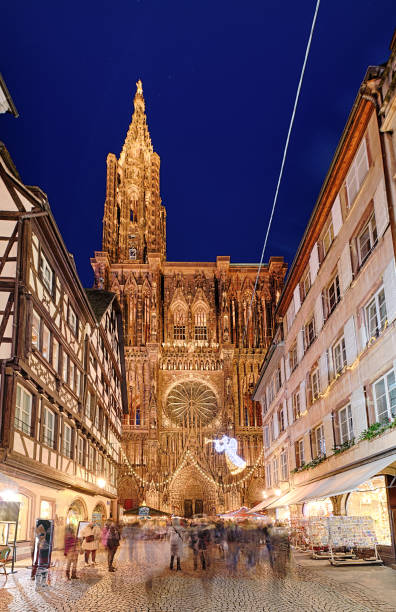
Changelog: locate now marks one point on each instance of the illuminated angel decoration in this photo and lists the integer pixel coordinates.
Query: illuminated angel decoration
(229, 446)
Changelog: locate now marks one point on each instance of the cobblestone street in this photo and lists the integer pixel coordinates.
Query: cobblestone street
(129, 589)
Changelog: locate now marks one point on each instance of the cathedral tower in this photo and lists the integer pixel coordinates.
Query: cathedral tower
(134, 222)
(193, 350)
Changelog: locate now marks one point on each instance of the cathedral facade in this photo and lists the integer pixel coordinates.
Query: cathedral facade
(194, 343)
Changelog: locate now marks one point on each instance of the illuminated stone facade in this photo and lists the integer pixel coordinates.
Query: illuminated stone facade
(191, 366)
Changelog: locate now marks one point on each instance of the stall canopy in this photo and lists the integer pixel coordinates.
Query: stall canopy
(264, 504)
(345, 482)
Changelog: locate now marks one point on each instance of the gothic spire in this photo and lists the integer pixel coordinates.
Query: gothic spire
(138, 132)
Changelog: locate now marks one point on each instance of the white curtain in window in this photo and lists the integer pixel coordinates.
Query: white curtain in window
(336, 216)
(359, 415)
(350, 340)
(389, 279)
(381, 209)
(345, 268)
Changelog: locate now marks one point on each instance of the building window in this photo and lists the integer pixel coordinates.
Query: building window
(81, 456)
(305, 284)
(357, 172)
(266, 437)
(48, 436)
(339, 355)
(89, 406)
(67, 440)
(72, 320)
(271, 391)
(284, 466)
(296, 405)
(78, 382)
(333, 294)
(72, 374)
(55, 355)
(385, 397)
(45, 342)
(293, 360)
(179, 332)
(23, 410)
(90, 457)
(278, 379)
(376, 314)
(309, 333)
(46, 273)
(367, 240)
(268, 476)
(97, 417)
(282, 424)
(346, 424)
(327, 239)
(200, 329)
(275, 472)
(319, 443)
(36, 322)
(315, 384)
(300, 453)
(65, 366)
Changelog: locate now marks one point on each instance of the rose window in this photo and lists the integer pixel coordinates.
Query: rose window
(191, 403)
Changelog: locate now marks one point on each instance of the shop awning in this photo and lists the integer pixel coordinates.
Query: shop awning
(345, 482)
(264, 504)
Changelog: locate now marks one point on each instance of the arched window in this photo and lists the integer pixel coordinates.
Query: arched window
(179, 324)
(200, 329)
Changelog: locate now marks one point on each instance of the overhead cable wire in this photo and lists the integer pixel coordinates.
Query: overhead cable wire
(282, 164)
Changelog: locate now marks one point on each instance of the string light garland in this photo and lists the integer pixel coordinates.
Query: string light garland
(189, 456)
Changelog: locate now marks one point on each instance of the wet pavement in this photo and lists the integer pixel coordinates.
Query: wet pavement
(146, 584)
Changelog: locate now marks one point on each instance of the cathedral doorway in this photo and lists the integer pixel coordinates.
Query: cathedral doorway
(190, 494)
(188, 508)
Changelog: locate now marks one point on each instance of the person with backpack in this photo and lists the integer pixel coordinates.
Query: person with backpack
(112, 543)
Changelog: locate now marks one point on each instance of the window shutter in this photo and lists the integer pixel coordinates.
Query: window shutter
(336, 215)
(350, 340)
(328, 433)
(318, 314)
(297, 299)
(303, 399)
(381, 209)
(323, 371)
(300, 345)
(358, 407)
(345, 268)
(314, 262)
(389, 279)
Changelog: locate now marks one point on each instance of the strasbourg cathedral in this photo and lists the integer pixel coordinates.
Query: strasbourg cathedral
(192, 353)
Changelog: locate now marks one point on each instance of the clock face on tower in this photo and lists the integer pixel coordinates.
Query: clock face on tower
(191, 403)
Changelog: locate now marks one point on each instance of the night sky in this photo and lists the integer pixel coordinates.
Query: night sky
(219, 80)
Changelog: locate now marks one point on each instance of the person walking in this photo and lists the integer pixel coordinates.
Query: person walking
(91, 536)
(71, 552)
(112, 543)
(176, 543)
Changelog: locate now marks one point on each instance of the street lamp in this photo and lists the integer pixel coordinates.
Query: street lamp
(101, 483)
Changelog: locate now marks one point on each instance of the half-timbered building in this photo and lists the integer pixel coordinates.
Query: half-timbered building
(62, 370)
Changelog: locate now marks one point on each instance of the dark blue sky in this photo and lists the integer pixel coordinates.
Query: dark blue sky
(219, 79)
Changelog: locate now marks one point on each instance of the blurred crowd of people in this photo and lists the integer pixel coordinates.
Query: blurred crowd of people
(203, 544)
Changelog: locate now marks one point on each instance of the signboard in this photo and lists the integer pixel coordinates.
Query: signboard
(144, 512)
(81, 527)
